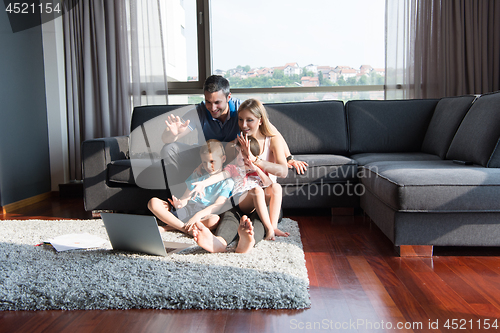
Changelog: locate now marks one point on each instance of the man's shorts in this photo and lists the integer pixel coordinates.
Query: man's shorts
(236, 198)
(186, 212)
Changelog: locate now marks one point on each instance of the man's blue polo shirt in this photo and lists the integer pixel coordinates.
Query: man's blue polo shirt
(214, 128)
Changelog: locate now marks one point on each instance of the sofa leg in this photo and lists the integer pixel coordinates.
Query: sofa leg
(96, 214)
(414, 250)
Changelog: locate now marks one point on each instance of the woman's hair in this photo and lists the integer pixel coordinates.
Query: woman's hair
(259, 111)
(254, 145)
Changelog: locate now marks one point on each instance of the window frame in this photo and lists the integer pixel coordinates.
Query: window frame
(205, 67)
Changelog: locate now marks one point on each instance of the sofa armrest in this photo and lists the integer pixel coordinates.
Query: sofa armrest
(98, 153)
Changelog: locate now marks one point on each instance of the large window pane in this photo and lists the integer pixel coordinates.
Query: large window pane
(297, 97)
(312, 97)
(166, 33)
(298, 43)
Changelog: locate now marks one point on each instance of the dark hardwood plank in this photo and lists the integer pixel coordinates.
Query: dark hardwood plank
(377, 293)
(413, 284)
(482, 280)
(402, 297)
(55, 208)
(354, 274)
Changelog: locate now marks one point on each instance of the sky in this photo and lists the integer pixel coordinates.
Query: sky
(267, 33)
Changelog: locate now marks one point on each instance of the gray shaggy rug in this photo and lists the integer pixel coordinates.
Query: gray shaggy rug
(272, 276)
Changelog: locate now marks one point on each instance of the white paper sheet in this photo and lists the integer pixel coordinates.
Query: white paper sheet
(76, 242)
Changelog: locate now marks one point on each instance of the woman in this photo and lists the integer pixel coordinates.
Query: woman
(253, 121)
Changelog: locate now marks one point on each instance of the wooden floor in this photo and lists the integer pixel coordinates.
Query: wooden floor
(357, 284)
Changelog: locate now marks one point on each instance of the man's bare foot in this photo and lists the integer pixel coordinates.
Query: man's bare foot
(280, 233)
(208, 241)
(247, 239)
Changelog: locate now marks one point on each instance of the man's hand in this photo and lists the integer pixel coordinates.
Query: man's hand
(300, 166)
(175, 125)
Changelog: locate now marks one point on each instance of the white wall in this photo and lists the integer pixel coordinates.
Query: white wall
(53, 54)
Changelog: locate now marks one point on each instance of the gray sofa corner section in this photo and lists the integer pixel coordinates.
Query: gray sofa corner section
(479, 132)
(388, 126)
(433, 186)
(435, 229)
(445, 121)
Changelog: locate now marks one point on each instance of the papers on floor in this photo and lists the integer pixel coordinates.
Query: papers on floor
(76, 242)
(175, 247)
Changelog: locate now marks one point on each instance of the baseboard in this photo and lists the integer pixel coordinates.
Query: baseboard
(342, 211)
(26, 202)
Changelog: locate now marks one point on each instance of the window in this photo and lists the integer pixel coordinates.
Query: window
(300, 50)
(299, 44)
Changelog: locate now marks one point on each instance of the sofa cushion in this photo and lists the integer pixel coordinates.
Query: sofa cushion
(142, 114)
(311, 127)
(120, 172)
(433, 186)
(388, 126)
(149, 175)
(479, 132)
(494, 161)
(367, 158)
(322, 169)
(445, 121)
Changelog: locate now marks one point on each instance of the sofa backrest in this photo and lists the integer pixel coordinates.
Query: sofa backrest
(142, 114)
(311, 127)
(478, 136)
(148, 124)
(388, 126)
(449, 113)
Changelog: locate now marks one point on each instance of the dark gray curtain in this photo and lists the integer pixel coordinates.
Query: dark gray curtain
(97, 74)
(438, 48)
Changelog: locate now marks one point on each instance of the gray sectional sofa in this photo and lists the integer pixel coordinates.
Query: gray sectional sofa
(427, 172)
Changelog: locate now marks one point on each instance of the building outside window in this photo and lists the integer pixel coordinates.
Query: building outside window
(277, 51)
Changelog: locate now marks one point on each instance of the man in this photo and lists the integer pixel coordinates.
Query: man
(218, 119)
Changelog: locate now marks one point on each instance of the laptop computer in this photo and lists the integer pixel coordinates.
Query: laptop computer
(138, 233)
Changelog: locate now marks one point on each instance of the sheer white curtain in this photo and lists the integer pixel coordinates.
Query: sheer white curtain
(438, 48)
(148, 56)
(400, 41)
